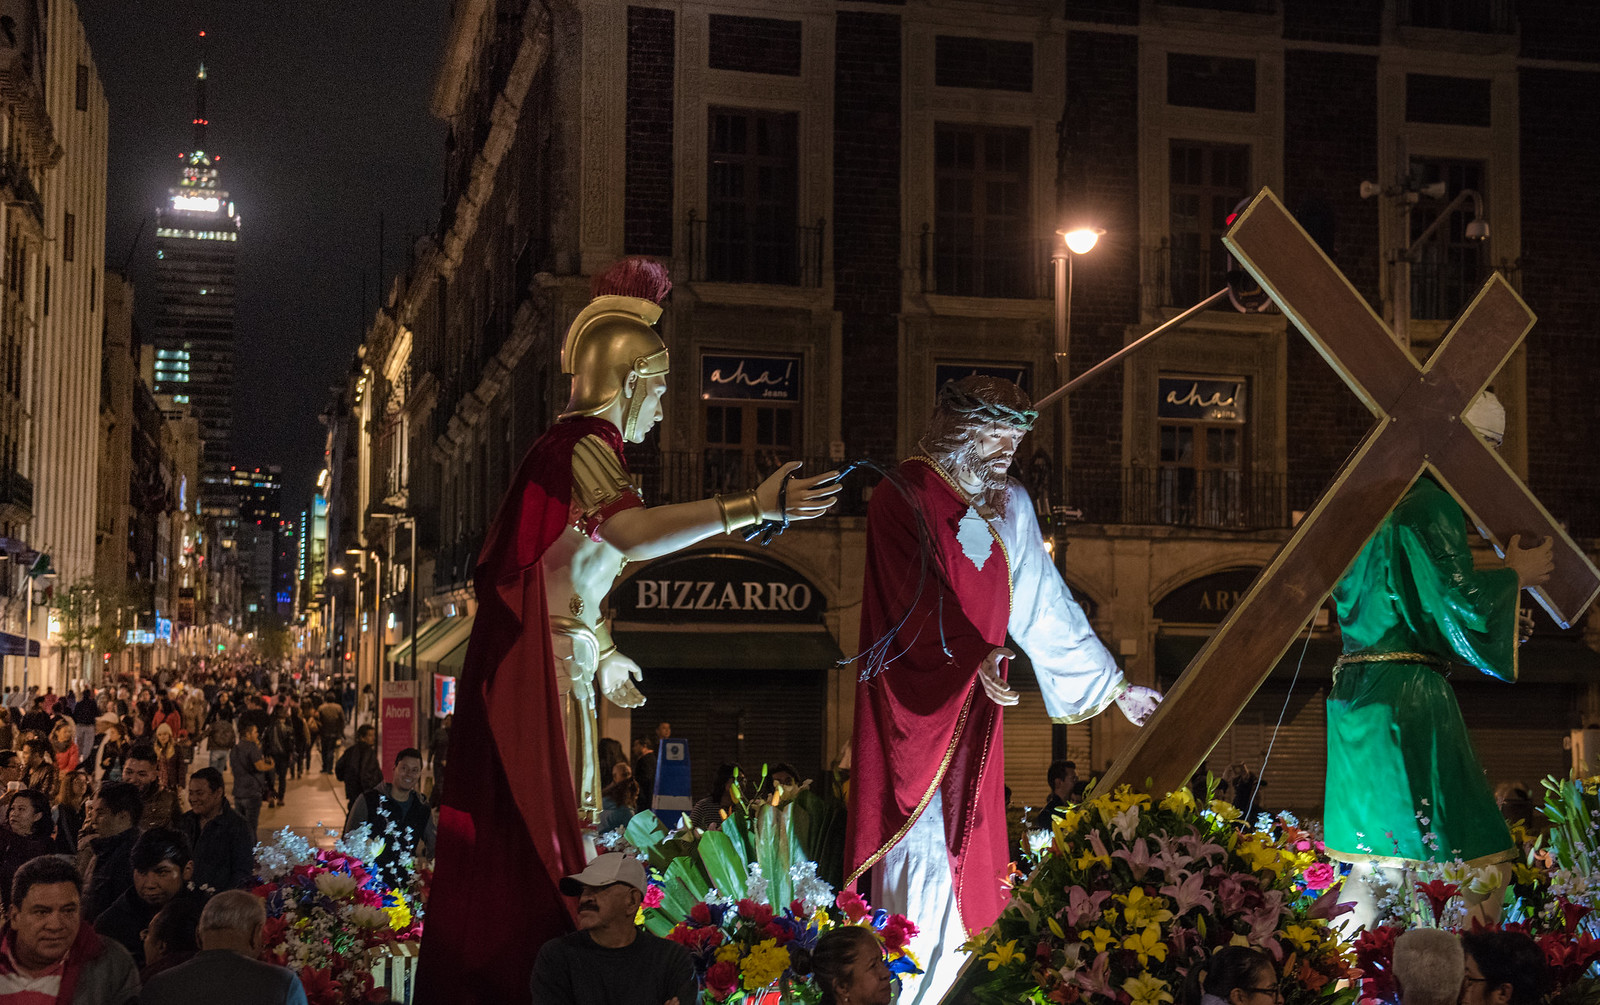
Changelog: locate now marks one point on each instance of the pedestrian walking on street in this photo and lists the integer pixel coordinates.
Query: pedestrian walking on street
(72, 800)
(358, 768)
(250, 767)
(84, 713)
(223, 843)
(330, 729)
(221, 738)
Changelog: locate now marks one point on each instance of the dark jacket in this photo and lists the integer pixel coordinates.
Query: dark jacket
(15, 850)
(224, 850)
(110, 872)
(217, 975)
(160, 809)
(125, 921)
(405, 825)
(358, 769)
(85, 711)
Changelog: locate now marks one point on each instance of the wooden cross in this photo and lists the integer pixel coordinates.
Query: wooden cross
(1419, 428)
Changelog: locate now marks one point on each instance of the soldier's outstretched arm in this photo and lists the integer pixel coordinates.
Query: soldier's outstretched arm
(643, 533)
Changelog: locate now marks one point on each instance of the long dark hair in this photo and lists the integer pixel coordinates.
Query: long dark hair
(1508, 958)
(836, 952)
(1229, 967)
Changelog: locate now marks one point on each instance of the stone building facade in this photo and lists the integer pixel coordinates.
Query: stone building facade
(860, 200)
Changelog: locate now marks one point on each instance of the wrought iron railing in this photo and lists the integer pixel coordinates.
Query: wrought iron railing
(1181, 277)
(724, 249)
(959, 264)
(1181, 497)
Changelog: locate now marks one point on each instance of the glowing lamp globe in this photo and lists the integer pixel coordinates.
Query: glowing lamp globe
(1082, 240)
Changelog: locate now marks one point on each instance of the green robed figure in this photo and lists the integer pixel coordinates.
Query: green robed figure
(1404, 785)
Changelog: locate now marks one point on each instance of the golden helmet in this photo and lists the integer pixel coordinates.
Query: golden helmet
(610, 341)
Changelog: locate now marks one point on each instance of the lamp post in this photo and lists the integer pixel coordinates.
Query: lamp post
(410, 522)
(377, 610)
(1079, 241)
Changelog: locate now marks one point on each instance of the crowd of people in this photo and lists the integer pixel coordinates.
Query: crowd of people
(124, 855)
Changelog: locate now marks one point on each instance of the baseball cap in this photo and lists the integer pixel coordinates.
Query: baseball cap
(612, 867)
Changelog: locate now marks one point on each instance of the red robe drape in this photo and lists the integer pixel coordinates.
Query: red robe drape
(508, 827)
(923, 722)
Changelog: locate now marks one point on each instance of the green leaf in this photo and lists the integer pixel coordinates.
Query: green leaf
(725, 866)
(683, 886)
(657, 922)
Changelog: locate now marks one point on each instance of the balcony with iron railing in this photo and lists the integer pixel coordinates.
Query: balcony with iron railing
(957, 264)
(722, 249)
(1482, 16)
(1186, 497)
(1181, 277)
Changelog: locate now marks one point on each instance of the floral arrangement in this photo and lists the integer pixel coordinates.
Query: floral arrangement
(1130, 895)
(329, 916)
(742, 898)
(1552, 898)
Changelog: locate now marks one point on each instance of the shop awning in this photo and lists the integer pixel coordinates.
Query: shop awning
(1546, 660)
(803, 649)
(441, 645)
(450, 665)
(401, 652)
(15, 645)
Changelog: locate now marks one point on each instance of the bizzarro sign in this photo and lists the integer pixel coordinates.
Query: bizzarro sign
(720, 587)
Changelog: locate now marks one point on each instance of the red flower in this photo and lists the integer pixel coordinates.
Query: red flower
(721, 978)
(320, 986)
(1571, 913)
(700, 914)
(265, 890)
(797, 908)
(1438, 893)
(852, 905)
(653, 896)
(752, 911)
(896, 932)
(1374, 955)
(1319, 876)
(780, 933)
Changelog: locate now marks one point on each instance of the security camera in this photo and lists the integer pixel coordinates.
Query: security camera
(1478, 230)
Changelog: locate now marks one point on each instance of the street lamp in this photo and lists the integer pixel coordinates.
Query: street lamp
(1078, 241)
(377, 607)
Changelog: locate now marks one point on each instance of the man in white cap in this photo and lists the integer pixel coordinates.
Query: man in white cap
(609, 960)
(1404, 788)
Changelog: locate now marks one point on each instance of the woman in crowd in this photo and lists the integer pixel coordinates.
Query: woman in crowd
(1503, 968)
(25, 835)
(1235, 975)
(72, 798)
(611, 754)
(167, 713)
(40, 765)
(617, 803)
(168, 764)
(64, 745)
(113, 751)
(138, 730)
(708, 813)
(847, 966)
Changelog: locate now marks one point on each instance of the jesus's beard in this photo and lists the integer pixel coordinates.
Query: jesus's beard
(991, 472)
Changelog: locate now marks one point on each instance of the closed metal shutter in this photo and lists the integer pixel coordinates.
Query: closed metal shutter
(1518, 728)
(1293, 778)
(1027, 730)
(749, 718)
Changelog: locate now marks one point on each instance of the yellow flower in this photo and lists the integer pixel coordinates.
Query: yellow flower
(1100, 938)
(1147, 944)
(1179, 801)
(1146, 989)
(1055, 928)
(1526, 874)
(399, 917)
(1240, 940)
(1303, 936)
(1003, 955)
(728, 953)
(1140, 909)
(1089, 858)
(1225, 810)
(1260, 856)
(1067, 821)
(765, 964)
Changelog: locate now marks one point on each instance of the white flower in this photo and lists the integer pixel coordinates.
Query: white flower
(809, 888)
(755, 884)
(366, 916)
(337, 885)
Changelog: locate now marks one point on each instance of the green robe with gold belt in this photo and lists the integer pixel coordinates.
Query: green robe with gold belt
(1404, 784)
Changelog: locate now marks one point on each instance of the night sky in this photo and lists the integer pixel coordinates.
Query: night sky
(319, 111)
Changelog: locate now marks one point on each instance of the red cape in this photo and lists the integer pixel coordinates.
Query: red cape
(923, 722)
(508, 827)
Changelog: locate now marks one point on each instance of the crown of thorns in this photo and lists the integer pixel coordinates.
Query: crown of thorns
(957, 400)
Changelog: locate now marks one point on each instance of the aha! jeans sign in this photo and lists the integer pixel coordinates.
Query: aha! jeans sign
(744, 378)
(718, 587)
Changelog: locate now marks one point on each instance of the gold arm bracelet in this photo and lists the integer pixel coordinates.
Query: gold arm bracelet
(607, 651)
(739, 511)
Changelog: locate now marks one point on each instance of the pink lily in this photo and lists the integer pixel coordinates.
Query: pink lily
(1137, 855)
(1199, 847)
(1169, 859)
(1083, 906)
(1097, 981)
(1327, 905)
(1189, 893)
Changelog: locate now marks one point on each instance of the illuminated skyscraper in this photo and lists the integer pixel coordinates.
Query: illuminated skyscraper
(197, 235)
